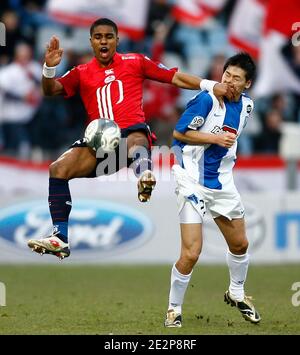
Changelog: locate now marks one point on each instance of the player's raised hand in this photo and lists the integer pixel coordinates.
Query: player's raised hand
(226, 140)
(53, 52)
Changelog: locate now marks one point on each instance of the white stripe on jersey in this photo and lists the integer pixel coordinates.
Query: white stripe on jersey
(110, 115)
(104, 105)
(99, 102)
(104, 100)
(121, 93)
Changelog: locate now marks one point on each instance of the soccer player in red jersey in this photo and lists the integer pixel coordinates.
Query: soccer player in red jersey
(110, 86)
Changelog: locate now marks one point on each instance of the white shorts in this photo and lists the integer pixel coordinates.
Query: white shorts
(194, 199)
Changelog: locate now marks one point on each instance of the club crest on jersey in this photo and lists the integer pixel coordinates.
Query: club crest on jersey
(109, 72)
(109, 79)
(196, 122)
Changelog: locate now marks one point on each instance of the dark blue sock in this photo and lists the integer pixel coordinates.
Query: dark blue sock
(141, 161)
(60, 205)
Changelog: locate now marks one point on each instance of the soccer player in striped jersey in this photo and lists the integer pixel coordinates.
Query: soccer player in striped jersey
(206, 142)
(110, 86)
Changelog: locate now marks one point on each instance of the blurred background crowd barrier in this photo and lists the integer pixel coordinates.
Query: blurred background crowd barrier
(194, 35)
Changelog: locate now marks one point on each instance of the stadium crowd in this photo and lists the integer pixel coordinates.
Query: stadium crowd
(38, 128)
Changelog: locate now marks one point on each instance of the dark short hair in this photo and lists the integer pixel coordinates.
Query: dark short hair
(244, 61)
(103, 22)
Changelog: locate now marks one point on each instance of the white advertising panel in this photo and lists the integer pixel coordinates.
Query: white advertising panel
(109, 225)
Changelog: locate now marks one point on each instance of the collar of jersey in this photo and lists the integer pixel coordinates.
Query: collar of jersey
(116, 60)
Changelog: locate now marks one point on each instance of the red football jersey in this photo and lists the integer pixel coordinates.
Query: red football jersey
(116, 91)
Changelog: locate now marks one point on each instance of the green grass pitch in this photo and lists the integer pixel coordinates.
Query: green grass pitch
(66, 299)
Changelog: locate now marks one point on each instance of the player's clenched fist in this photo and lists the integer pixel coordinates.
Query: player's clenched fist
(226, 140)
(221, 90)
(53, 52)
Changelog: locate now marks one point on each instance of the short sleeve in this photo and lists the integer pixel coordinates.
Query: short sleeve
(195, 113)
(70, 82)
(157, 71)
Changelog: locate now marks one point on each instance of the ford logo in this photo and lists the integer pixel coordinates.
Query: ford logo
(93, 226)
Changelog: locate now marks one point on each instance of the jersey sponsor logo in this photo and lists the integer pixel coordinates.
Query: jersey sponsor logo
(109, 79)
(218, 129)
(229, 129)
(128, 57)
(196, 122)
(104, 100)
(96, 227)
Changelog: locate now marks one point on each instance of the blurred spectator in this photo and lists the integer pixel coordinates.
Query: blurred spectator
(33, 16)
(68, 117)
(159, 12)
(284, 104)
(271, 134)
(215, 72)
(160, 100)
(296, 59)
(13, 36)
(295, 64)
(199, 50)
(20, 97)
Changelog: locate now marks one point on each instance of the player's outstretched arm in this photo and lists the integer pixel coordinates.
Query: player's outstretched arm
(53, 55)
(187, 81)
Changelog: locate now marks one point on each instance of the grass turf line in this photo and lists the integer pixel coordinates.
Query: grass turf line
(66, 299)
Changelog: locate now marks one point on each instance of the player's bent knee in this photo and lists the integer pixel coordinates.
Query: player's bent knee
(137, 140)
(240, 248)
(58, 170)
(190, 257)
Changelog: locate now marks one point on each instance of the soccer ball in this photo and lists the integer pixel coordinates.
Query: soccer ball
(103, 133)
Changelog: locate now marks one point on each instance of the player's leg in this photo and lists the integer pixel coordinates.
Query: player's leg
(139, 153)
(191, 245)
(237, 256)
(76, 162)
(234, 232)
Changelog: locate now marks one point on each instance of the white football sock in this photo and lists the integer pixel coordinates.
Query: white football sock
(179, 284)
(238, 267)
